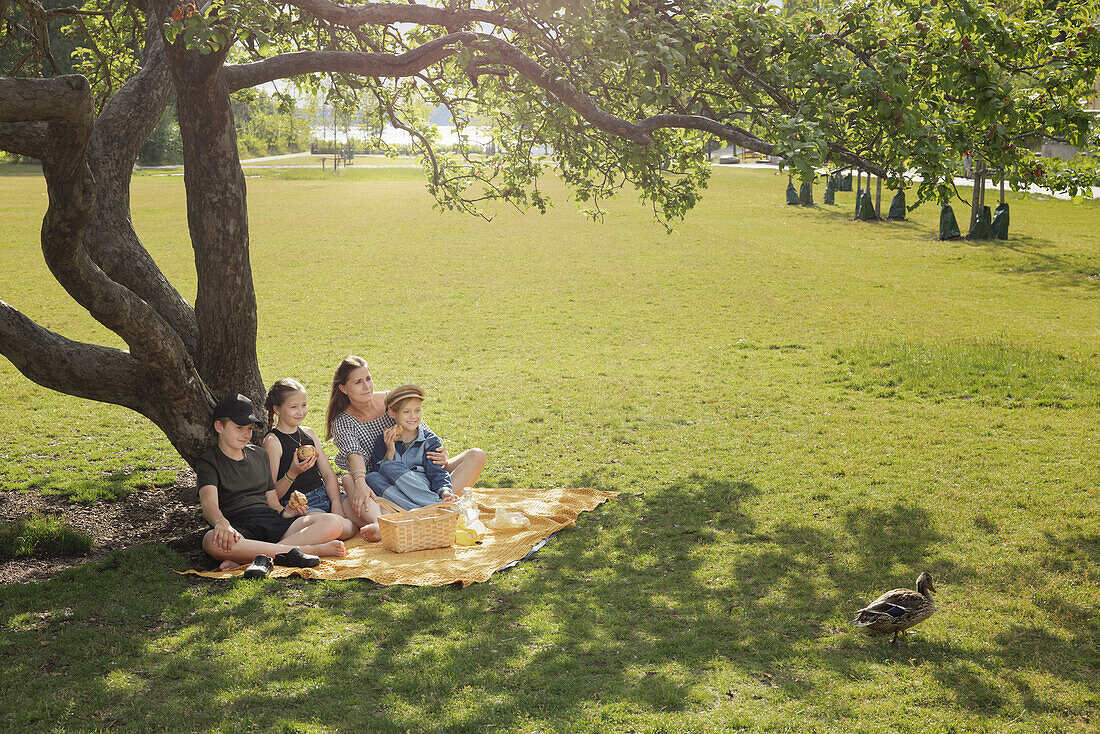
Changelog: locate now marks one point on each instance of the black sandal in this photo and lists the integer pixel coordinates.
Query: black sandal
(260, 568)
(295, 558)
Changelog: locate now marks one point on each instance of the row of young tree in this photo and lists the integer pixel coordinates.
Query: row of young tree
(623, 93)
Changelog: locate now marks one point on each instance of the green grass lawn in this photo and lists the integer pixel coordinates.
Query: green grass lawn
(799, 410)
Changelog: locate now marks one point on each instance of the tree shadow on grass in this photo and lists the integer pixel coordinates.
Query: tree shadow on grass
(1040, 256)
(617, 619)
(846, 213)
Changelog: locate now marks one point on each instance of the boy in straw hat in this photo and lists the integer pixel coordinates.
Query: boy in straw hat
(405, 476)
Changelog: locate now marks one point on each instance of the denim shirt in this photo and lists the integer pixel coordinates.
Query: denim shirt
(414, 455)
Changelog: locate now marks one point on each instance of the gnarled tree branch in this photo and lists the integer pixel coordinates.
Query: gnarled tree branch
(745, 139)
(60, 99)
(72, 194)
(74, 368)
(158, 373)
(362, 63)
(23, 138)
(120, 130)
(504, 53)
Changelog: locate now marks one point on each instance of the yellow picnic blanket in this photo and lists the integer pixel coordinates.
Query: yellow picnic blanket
(550, 510)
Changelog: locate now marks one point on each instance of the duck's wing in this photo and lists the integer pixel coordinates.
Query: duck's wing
(894, 610)
(906, 599)
(886, 608)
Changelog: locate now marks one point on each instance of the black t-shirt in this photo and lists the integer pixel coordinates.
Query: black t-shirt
(241, 484)
(308, 480)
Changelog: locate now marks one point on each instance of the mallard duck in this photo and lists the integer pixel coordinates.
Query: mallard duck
(898, 610)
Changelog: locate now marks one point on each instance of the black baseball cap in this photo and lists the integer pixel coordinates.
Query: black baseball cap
(238, 409)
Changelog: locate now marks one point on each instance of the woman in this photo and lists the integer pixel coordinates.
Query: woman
(355, 418)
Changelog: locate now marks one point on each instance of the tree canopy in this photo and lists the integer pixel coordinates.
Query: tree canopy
(623, 93)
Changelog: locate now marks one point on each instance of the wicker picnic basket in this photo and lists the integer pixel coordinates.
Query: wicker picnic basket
(421, 529)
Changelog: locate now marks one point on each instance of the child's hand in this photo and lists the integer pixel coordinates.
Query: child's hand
(225, 535)
(297, 466)
(449, 497)
(390, 435)
(296, 504)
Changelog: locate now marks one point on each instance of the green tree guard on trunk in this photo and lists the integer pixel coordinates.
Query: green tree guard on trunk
(829, 197)
(792, 195)
(866, 211)
(806, 193)
(980, 230)
(949, 228)
(897, 206)
(998, 228)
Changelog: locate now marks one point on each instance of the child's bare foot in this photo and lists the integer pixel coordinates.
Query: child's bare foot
(371, 532)
(333, 548)
(228, 565)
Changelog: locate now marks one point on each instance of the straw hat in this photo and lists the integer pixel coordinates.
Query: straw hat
(402, 393)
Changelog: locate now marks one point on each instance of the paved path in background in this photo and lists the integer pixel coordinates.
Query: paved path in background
(243, 162)
(265, 159)
(250, 162)
(314, 156)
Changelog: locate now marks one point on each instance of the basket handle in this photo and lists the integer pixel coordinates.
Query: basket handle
(397, 509)
(391, 506)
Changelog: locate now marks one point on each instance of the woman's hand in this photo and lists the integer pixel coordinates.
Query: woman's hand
(225, 536)
(360, 500)
(439, 457)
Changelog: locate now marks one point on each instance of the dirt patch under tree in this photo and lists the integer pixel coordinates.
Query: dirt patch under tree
(167, 515)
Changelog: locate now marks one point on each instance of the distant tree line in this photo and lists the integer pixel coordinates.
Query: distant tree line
(262, 129)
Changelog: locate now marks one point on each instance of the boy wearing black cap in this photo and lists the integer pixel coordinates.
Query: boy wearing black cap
(233, 477)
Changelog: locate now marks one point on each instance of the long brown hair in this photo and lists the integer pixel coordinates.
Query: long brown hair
(277, 395)
(337, 400)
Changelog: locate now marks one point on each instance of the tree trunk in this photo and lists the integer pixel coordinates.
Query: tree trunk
(977, 201)
(217, 218)
(878, 197)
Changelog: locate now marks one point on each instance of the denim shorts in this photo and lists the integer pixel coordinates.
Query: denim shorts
(318, 500)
